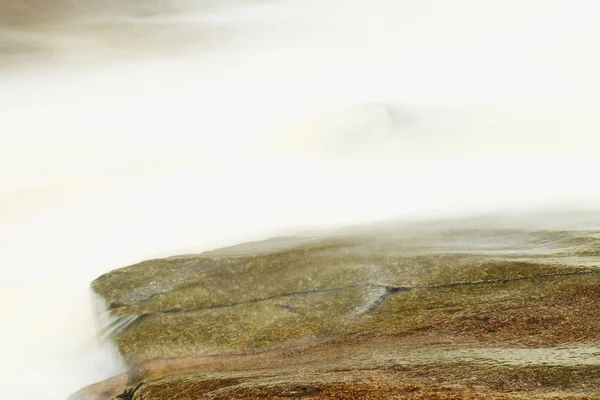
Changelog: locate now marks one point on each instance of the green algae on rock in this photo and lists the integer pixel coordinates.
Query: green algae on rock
(447, 313)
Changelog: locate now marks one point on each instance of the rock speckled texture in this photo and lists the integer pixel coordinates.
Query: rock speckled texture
(419, 314)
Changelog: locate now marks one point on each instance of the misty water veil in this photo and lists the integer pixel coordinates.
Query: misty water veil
(140, 129)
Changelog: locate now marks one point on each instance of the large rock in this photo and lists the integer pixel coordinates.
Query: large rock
(416, 314)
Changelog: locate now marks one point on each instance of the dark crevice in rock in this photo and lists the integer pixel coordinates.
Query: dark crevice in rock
(173, 310)
(129, 393)
(506, 280)
(261, 299)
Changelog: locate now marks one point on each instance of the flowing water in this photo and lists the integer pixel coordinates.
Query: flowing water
(137, 129)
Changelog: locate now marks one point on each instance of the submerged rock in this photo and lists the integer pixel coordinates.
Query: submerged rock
(413, 314)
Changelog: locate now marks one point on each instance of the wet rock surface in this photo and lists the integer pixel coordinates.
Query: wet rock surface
(412, 314)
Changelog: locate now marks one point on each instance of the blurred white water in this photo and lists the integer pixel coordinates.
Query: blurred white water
(133, 135)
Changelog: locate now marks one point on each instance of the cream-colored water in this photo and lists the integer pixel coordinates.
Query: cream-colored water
(130, 132)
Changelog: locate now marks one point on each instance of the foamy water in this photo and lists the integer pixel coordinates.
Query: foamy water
(127, 134)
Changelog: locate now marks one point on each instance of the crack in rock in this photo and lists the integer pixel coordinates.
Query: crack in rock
(381, 293)
(505, 280)
(129, 393)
